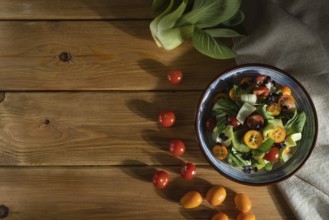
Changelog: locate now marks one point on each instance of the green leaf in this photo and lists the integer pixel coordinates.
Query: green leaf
(268, 166)
(238, 144)
(157, 5)
(266, 145)
(222, 32)
(169, 20)
(208, 46)
(225, 106)
(208, 13)
(296, 123)
(235, 20)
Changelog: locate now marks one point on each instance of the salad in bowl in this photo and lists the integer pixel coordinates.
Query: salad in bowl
(256, 124)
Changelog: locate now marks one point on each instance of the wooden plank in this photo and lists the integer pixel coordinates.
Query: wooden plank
(94, 128)
(105, 56)
(75, 9)
(122, 193)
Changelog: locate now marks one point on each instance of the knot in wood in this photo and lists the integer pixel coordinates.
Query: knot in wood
(65, 57)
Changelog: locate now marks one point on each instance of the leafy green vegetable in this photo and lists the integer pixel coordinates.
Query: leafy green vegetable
(198, 20)
(222, 32)
(225, 106)
(207, 45)
(235, 20)
(296, 123)
(268, 166)
(238, 144)
(266, 145)
(235, 159)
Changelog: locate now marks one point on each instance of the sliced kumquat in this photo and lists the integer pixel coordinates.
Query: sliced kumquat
(286, 150)
(288, 101)
(232, 95)
(274, 109)
(253, 139)
(220, 152)
(285, 90)
(278, 134)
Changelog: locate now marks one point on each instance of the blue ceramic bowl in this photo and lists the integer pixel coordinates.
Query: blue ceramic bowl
(303, 102)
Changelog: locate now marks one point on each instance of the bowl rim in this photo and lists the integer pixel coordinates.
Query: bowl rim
(197, 132)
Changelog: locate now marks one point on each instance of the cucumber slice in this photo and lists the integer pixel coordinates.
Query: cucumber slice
(249, 98)
(245, 111)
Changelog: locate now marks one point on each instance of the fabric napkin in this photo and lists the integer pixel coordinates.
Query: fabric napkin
(294, 36)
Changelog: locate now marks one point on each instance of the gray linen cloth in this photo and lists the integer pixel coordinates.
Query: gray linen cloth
(294, 36)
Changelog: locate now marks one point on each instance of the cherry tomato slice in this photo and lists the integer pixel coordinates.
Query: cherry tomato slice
(175, 76)
(288, 101)
(188, 170)
(274, 108)
(260, 79)
(233, 121)
(160, 179)
(253, 139)
(272, 155)
(167, 118)
(220, 152)
(255, 121)
(261, 91)
(177, 147)
(278, 134)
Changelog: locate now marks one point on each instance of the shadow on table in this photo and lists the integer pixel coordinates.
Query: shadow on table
(144, 174)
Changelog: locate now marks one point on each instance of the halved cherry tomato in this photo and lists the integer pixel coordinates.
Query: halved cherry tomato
(167, 118)
(177, 147)
(253, 139)
(160, 179)
(274, 108)
(233, 121)
(220, 152)
(188, 170)
(175, 76)
(288, 101)
(272, 155)
(261, 91)
(285, 90)
(255, 121)
(260, 79)
(278, 134)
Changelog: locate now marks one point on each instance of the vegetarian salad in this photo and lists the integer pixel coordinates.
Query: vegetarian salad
(255, 124)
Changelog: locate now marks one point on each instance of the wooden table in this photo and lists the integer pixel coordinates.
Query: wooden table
(83, 84)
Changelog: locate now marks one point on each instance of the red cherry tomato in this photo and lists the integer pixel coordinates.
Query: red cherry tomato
(260, 79)
(160, 179)
(167, 118)
(255, 121)
(211, 123)
(188, 170)
(272, 155)
(233, 121)
(175, 76)
(177, 147)
(261, 91)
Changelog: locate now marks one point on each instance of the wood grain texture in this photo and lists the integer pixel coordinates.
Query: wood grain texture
(75, 9)
(122, 193)
(94, 128)
(105, 55)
